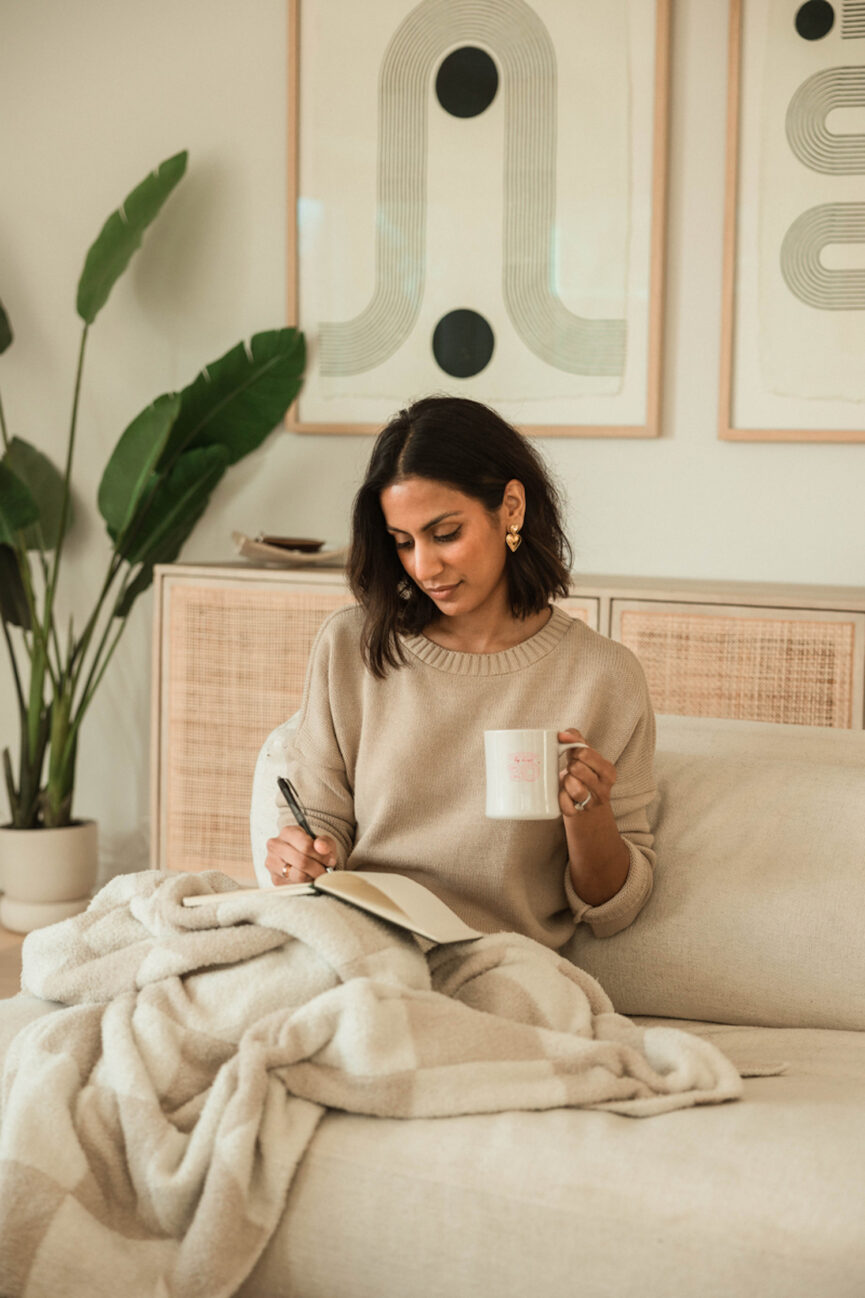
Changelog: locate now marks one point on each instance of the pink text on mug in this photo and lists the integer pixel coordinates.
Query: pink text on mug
(522, 772)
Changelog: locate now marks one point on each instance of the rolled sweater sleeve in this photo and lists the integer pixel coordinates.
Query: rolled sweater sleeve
(633, 794)
(315, 761)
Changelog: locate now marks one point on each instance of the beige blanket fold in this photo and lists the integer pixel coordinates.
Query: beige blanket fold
(152, 1129)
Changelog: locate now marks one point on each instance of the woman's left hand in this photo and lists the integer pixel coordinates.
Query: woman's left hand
(598, 856)
(587, 775)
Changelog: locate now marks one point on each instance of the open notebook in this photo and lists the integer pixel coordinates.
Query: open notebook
(393, 897)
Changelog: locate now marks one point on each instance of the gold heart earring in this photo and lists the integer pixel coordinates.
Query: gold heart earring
(513, 539)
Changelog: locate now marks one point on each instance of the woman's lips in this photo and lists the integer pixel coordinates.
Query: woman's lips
(439, 592)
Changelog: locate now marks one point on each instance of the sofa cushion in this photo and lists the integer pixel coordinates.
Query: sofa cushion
(760, 1197)
(756, 914)
(265, 802)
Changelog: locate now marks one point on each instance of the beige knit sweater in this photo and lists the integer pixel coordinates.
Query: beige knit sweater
(393, 770)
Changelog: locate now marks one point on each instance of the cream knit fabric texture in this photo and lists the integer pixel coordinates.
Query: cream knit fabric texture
(393, 769)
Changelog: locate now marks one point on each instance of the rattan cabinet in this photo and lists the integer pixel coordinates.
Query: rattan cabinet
(231, 644)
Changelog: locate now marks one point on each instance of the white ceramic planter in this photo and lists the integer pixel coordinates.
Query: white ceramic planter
(46, 874)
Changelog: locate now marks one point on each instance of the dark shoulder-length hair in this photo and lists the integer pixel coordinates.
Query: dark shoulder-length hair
(468, 446)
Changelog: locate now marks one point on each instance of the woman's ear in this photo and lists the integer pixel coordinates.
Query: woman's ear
(514, 503)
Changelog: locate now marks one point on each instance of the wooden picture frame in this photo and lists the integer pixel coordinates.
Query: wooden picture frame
(421, 260)
(793, 323)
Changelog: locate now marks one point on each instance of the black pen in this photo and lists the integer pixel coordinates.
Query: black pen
(295, 806)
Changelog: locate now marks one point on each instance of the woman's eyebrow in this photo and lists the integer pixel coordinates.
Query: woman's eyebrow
(426, 527)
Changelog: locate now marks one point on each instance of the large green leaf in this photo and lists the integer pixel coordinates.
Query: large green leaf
(182, 501)
(18, 509)
(5, 330)
(14, 608)
(240, 398)
(138, 586)
(129, 472)
(177, 506)
(121, 236)
(45, 483)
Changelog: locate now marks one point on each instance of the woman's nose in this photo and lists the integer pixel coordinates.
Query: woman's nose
(427, 563)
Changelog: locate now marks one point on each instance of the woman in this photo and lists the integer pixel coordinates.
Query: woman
(457, 549)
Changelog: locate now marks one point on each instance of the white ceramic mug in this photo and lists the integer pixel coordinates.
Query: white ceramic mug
(523, 773)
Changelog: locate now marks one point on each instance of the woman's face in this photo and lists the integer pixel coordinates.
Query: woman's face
(448, 544)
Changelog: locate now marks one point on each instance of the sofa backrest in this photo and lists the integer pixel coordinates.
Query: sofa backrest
(759, 899)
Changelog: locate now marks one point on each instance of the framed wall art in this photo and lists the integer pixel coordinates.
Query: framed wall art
(476, 197)
(793, 334)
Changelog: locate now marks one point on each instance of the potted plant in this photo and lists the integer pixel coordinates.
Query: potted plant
(154, 489)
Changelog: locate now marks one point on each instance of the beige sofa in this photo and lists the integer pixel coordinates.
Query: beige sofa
(752, 937)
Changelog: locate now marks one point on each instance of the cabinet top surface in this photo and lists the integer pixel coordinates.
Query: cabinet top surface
(596, 585)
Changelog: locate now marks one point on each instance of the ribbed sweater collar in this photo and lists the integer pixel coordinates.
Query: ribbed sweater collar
(496, 664)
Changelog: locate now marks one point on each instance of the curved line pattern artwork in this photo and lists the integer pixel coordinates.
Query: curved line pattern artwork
(833, 153)
(803, 271)
(517, 37)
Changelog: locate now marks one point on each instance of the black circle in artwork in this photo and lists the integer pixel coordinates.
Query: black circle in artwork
(814, 19)
(462, 343)
(466, 82)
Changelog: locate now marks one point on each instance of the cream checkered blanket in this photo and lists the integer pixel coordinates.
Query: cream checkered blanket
(151, 1129)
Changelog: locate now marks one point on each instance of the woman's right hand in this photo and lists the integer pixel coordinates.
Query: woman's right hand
(293, 857)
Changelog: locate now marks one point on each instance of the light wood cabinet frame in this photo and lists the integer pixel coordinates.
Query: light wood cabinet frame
(231, 644)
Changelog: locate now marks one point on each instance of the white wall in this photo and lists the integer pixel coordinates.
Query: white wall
(93, 93)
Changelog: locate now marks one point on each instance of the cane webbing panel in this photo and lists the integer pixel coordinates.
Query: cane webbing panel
(758, 665)
(584, 609)
(234, 660)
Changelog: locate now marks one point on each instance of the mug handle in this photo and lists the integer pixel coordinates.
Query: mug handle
(563, 748)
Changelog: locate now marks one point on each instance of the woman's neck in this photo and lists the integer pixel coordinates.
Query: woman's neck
(485, 633)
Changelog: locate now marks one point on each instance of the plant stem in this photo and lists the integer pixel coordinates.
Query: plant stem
(93, 685)
(11, 791)
(66, 714)
(3, 427)
(40, 643)
(57, 797)
(95, 663)
(67, 480)
(10, 646)
(75, 661)
(93, 679)
(61, 760)
(43, 563)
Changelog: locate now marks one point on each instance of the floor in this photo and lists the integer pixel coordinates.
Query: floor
(10, 962)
